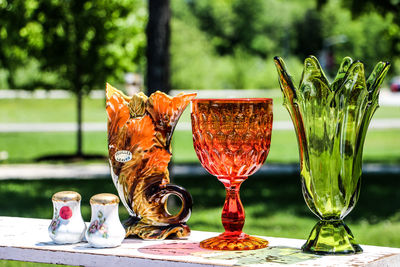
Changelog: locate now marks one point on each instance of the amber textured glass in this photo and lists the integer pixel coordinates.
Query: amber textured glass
(231, 138)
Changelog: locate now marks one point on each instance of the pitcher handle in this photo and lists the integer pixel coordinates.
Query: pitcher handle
(185, 197)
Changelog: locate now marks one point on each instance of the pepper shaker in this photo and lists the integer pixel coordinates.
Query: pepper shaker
(67, 225)
(105, 229)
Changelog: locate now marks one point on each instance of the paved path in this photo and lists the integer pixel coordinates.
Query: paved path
(96, 171)
(51, 127)
(53, 171)
(44, 94)
(183, 126)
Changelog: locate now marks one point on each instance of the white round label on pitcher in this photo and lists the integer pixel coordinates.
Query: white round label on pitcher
(123, 156)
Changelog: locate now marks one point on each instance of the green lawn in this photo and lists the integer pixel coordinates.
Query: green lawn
(4, 263)
(274, 205)
(64, 110)
(380, 146)
(28, 147)
(51, 110)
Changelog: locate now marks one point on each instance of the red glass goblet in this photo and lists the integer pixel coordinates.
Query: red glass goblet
(231, 138)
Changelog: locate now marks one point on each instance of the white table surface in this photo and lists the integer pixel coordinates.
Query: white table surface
(26, 239)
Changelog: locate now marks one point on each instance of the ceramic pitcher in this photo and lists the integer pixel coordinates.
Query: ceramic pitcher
(139, 144)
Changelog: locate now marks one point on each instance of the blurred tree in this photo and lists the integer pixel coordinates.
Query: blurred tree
(232, 24)
(309, 39)
(225, 44)
(84, 41)
(12, 54)
(258, 27)
(389, 8)
(359, 6)
(157, 53)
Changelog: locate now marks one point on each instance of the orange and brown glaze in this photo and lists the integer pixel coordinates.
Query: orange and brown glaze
(143, 126)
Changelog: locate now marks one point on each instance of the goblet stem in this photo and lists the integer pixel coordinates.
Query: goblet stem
(233, 215)
(233, 220)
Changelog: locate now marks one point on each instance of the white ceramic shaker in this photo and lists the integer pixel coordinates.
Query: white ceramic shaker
(105, 229)
(67, 225)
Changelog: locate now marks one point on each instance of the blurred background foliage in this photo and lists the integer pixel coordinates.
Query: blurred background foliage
(230, 44)
(70, 44)
(214, 43)
(73, 45)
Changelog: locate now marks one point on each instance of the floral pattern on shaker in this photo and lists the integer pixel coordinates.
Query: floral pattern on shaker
(98, 225)
(55, 223)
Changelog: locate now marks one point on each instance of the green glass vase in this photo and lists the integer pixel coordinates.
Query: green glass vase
(331, 122)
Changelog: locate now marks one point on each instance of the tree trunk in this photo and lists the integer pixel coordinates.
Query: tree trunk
(79, 96)
(157, 53)
(10, 79)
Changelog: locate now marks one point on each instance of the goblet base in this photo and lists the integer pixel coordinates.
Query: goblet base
(331, 237)
(234, 242)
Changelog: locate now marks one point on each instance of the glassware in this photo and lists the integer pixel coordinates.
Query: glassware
(67, 225)
(331, 122)
(231, 138)
(140, 129)
(105, 229)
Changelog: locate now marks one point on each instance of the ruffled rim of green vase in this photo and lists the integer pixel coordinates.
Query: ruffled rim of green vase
(347, 65)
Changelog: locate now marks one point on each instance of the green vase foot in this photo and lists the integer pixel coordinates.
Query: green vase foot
(331, 237)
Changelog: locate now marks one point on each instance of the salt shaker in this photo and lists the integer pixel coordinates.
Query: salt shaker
(67, 225)
(105, 229)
